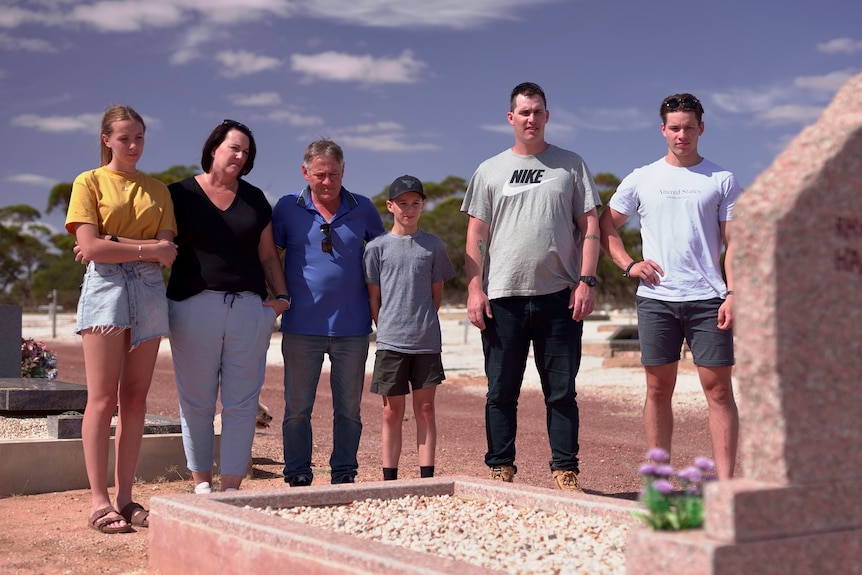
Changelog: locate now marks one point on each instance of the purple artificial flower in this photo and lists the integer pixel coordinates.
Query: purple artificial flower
(664, 470)
(646, 470)
(658, 455)
(691, 475)
(705, 464)
(663, 486)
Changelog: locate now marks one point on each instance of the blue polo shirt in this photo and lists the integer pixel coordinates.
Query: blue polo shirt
(328, 291)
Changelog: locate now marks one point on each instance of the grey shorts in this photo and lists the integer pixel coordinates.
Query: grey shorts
(130, 295)
(663, 326)
(395, 372)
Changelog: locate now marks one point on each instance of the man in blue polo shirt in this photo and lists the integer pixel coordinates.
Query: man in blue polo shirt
(322, 231)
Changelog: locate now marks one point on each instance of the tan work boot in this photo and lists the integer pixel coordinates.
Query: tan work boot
(567, 481)
(503, 473)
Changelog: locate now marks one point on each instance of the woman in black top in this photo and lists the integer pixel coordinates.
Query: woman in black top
(220, 318)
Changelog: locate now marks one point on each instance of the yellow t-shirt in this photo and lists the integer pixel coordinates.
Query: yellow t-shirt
(133, 206)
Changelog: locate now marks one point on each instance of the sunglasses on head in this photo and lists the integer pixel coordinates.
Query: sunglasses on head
(689, 103)
(326, 242)
(235, 124)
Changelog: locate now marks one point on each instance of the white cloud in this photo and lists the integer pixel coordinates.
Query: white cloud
(260, 99)
(33, 180)
(773, 106)
(452, 14)
(826, 83)
(190, 40)
(340, 67)
(14, 16)
(501, 128)
(242, 63)
(184, 56)
(233, 11)
(800, 101)
(86, 123)
(790, 114)
(128, 15)
(841, 46)
(606, 120)
(133, 15)
(293, 118)
(743, 100)
(13, 44)
(381, 137)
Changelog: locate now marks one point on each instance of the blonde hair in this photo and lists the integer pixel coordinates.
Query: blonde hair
(115, 113)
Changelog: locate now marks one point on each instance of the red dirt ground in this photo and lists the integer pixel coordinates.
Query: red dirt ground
(47, 533)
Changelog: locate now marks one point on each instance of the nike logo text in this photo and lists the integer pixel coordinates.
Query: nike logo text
(524, 180)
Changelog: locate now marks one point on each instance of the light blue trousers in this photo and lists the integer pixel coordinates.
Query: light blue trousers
(219, 342)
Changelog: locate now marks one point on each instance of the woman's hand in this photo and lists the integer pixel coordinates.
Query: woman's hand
(165, 252)
(79, 256)
(278, 305)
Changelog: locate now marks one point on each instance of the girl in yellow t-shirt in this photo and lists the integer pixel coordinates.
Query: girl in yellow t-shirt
(124, 224)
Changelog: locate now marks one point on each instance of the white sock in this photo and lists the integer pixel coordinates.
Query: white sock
(231, 489)
(203, 487)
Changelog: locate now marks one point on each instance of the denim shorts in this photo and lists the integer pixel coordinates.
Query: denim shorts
(130, 295)
(664, 325)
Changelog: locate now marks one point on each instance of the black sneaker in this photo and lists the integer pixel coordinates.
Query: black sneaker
(342, 479)
(298, 481)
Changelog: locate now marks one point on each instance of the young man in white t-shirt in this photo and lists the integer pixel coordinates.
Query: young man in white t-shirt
(685, 205)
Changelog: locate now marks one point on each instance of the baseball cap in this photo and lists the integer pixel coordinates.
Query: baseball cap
(404, 184)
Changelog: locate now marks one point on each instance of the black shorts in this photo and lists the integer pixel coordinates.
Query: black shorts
(395, 372)
(664, 325)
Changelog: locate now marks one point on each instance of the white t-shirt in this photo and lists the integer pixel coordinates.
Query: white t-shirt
(530, 204)
(680, 212)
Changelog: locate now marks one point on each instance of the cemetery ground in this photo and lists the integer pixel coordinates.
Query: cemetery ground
(47, 533)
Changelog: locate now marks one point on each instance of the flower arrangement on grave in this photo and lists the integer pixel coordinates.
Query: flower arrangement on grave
(673, 499)
(37, 360)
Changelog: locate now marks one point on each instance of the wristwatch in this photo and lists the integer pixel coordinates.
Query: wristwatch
(589, 280)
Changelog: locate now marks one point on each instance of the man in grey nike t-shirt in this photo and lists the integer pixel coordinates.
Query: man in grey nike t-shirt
(532, 250)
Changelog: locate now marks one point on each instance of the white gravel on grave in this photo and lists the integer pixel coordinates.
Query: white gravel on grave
(23, 427)
(480, 532)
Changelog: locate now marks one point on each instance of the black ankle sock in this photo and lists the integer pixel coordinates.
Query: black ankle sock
(390, 473)
(426, 471)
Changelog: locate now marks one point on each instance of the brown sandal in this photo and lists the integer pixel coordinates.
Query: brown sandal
(102, 518)
(135, 514)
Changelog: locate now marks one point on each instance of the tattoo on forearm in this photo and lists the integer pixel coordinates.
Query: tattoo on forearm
(482, 249)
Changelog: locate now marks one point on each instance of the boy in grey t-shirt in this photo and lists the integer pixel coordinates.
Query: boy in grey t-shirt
(405, 270)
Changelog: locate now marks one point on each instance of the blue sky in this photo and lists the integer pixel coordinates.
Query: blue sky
(408, 86)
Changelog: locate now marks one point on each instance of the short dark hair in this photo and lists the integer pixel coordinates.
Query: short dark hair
(527, 89)
(217, 137)
(683, 102)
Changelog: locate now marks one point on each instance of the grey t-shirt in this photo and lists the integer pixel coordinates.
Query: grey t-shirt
(405, 268)
(530, 204)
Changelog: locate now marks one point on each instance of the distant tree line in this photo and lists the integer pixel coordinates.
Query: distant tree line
(34, 262)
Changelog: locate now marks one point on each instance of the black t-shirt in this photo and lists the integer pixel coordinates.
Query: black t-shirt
(217, 250)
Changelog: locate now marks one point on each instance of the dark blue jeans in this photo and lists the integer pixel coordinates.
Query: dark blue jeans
(546, 322)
